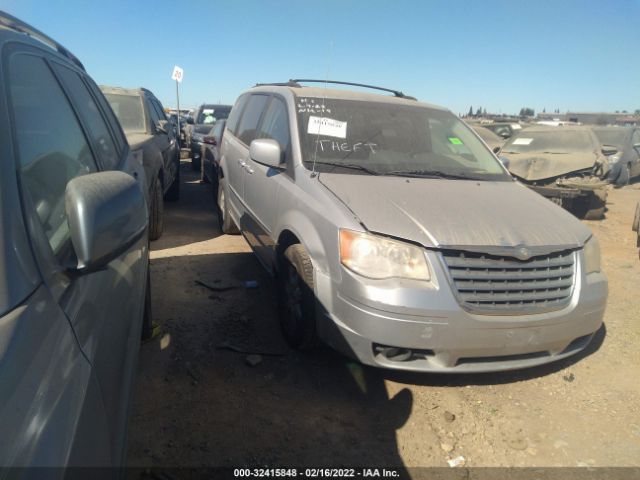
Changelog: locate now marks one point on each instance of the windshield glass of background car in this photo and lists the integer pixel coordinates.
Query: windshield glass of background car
(208, 116)
(552, 141)
(611, 137)
(128, 109)
(387, 137)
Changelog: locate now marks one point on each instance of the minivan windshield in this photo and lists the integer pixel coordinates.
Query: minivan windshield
(555, 140)
(210, 113)
(376, 138)
(128, 109)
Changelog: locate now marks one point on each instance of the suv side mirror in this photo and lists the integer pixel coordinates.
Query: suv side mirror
(190, 120)
(161, 126)
(608, 150)
(267, 152)
(107, 214)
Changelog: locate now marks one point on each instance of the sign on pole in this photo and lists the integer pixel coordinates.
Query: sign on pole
(177, 74)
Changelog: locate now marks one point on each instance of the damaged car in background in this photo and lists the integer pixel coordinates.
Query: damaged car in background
(625, 163)
(565, 164)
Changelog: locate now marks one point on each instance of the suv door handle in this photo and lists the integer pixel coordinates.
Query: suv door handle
(249, 169)
(242, 163)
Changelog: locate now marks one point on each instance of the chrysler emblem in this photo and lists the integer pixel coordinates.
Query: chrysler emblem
(522, 253)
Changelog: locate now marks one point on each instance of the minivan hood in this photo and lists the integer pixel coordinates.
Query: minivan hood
(539, 165)
(489, 217)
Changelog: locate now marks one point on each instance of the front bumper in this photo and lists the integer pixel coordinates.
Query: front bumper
(409, 325)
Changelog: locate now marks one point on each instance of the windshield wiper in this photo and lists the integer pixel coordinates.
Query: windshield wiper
(556, 153)
(351, 166)
(428, 174)
(508, 151)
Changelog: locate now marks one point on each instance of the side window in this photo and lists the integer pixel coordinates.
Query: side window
(153, 113)
(275, 124)
(236, 111)
(52, 148)
(98, 130)
(217, 130)
(250, 118)
(159, 110)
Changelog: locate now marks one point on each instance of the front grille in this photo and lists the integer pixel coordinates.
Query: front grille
(506, 286)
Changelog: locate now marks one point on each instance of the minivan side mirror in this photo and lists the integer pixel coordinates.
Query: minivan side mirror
(107, 214)
(267, 152)
(505, 161)
(190, 120)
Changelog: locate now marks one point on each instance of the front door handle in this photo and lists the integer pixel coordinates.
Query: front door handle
(242, 163)
(249, 169)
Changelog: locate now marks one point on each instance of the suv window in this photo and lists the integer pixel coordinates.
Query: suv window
(153, 113)
(118, 136)
(90, 113)
(236, 111)
(250, 118)
(51, 146)
(158, 109)
(275, 124)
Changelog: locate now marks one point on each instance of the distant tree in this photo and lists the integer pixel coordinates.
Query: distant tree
(470, 114)
(479, 112)
(624, 111)
(617, 111)
(544, 110)
(484, 112)
(637, 112)
(527, 112)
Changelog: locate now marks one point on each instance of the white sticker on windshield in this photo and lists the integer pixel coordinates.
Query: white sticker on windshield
(327, 126)
(207, 111)
(522, 141)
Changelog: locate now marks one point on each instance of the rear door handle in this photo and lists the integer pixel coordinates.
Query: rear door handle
(249, 169)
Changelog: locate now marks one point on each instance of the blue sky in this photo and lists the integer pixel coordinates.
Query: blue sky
(498, 54)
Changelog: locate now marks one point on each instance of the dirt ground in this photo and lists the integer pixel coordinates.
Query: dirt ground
(199, 402)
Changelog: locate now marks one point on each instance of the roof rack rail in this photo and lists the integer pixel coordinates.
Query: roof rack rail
(396, 93)
(12, 23)
(290, 83)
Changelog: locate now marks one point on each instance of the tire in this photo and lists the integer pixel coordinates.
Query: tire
(173, 194)
(297, 299)
(226, 223)
(147, 318)
(195, 164)
(596, 205)
(636, 219)
(156, 211)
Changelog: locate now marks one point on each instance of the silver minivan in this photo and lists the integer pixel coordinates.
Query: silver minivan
(398, 237)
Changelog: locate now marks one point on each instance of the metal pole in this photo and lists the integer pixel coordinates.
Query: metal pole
(178, 114)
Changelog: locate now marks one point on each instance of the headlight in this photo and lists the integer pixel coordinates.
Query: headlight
(592, 255)
(378, 257)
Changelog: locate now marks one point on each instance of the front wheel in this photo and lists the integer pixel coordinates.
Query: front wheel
(297, 299)
(596, 205)
(226, 223)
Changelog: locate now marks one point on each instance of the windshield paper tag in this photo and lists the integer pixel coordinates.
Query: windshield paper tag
(207, 111)
(522, 141)
(327, 126)
(455, 140)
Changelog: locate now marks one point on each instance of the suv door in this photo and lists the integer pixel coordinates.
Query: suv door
(262, 183)
(56, 142)
(164, 140)
(236, 148)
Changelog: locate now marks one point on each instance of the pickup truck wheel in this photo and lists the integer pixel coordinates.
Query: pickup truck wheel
(225, 221)
(596, 205)
(636, 219)
(173, 194)
(156, 211)
(623, 177)
(297, 299)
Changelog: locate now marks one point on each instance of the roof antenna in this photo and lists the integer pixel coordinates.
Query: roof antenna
(324, 98)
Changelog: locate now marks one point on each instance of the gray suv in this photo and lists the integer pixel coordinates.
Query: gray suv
(73, 263)
(399, 238)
